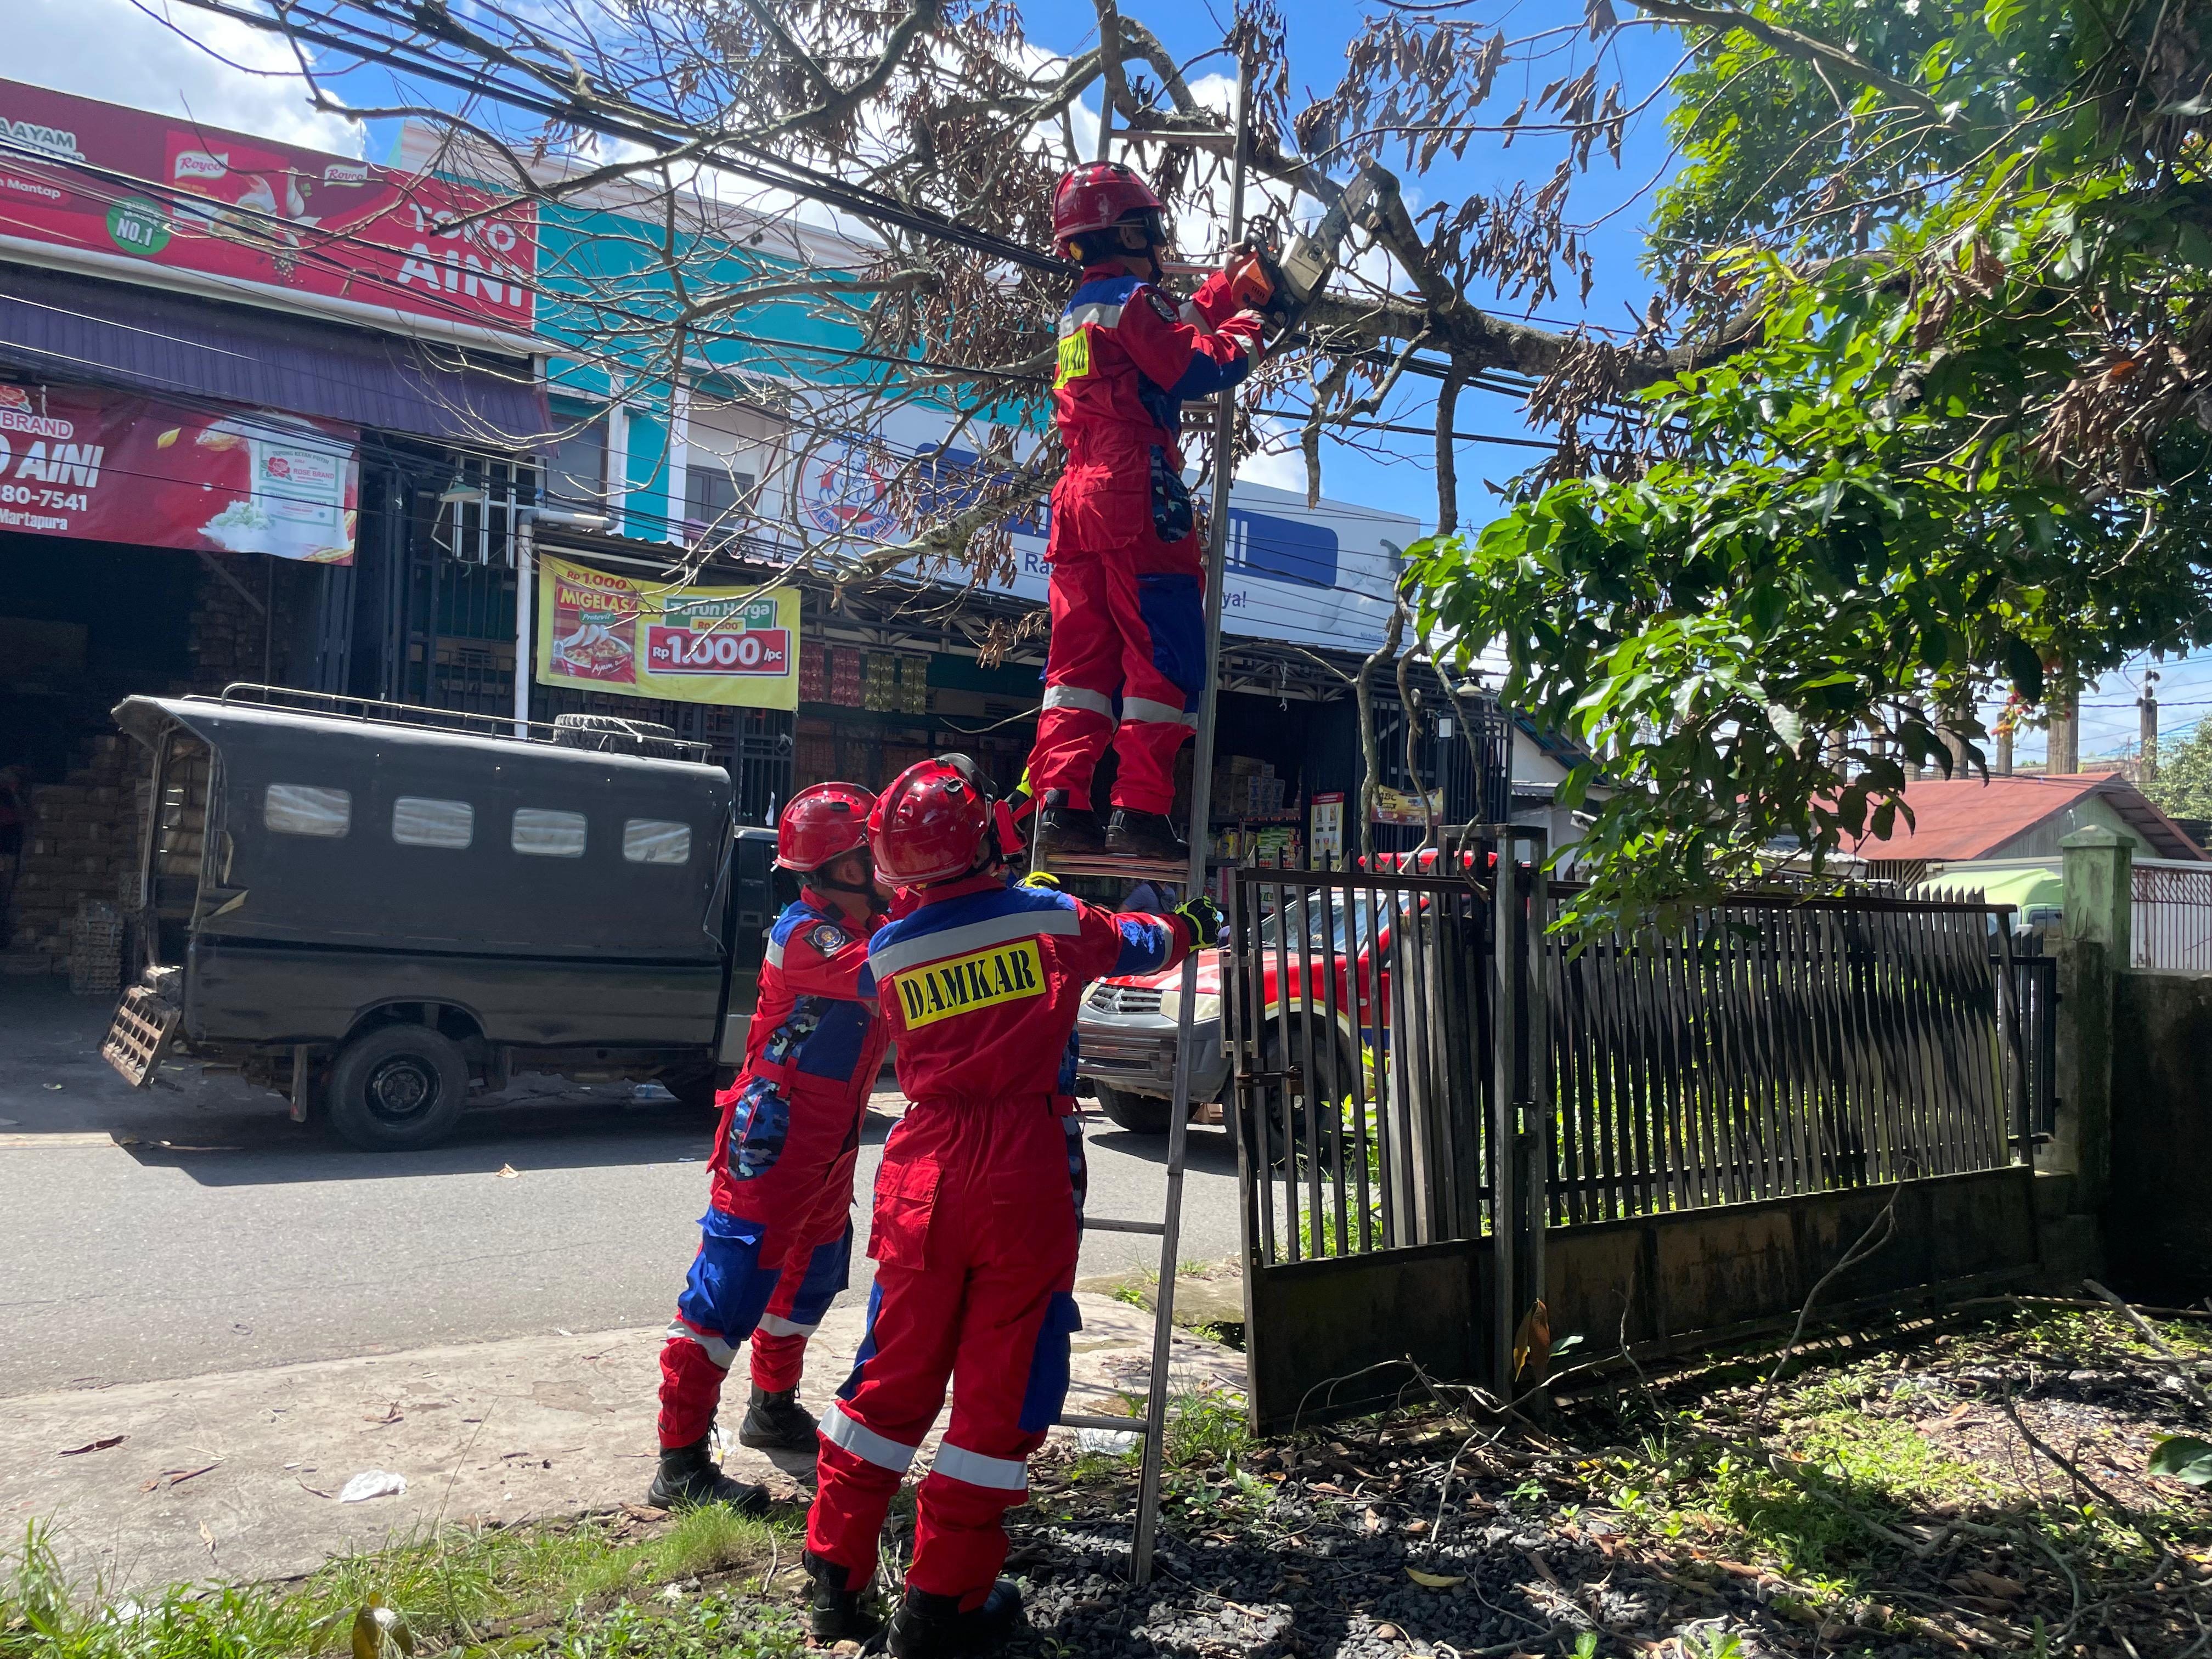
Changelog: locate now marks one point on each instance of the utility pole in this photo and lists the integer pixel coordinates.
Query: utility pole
(2147, 705)
(2064, 753)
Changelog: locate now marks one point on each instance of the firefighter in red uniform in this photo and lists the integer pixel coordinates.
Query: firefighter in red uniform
(778, 1236)
(1127, 622)
(978, 1209)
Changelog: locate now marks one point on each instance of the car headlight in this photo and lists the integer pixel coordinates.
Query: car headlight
(1205, 1006)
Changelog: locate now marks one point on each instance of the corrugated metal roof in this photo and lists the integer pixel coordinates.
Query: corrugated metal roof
(67, 327)
(1955, 819)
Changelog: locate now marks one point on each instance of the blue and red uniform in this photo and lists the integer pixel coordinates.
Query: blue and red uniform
(977, 1216)
(1127, 605)
(777, 1237)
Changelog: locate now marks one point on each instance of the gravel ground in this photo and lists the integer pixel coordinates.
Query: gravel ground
(1319, 1560)
(1975, 1491)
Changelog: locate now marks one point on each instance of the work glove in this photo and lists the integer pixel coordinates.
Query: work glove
(1203, 917)
(1041, 879)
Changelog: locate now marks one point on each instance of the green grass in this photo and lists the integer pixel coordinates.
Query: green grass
(579, 1590)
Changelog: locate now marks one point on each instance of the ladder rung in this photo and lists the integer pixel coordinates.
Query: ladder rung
(1107, 1224)
(1112, 1425)
(1121, 866)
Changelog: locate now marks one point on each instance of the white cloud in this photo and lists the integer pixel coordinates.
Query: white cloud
(1277, 470)
(113, 50)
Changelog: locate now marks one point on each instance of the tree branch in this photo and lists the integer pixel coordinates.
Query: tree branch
(1790, 43)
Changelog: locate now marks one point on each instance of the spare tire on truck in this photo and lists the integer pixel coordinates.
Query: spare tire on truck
(612, 735)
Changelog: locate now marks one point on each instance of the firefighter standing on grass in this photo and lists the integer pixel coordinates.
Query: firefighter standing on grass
(778, 1233)
(978, 1209)
(1127, 655)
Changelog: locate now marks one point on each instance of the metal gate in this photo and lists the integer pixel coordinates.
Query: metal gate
(1385, 1130)
(1459, 1137)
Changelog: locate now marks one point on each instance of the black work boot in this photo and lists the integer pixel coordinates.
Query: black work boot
(688, 1477)
(928, 1626)
(1132, 834)
(777, 1422)
(1064, 830)
(836, 1612)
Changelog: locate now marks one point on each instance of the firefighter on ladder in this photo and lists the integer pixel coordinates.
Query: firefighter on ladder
(978, 1208)
(1126, 573)
(777, 1234)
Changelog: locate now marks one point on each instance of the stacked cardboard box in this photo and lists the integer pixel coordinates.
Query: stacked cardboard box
(81, 844)
(1244, 787)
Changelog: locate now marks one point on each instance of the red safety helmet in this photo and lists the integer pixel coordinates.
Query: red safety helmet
(824, 821)
(935, 821)
(1099, 195)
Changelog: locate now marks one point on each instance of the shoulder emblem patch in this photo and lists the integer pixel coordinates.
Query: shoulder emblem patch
(828, 938)
(1162, 304)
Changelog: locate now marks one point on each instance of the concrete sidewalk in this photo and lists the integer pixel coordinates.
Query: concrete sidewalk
(235, 1476)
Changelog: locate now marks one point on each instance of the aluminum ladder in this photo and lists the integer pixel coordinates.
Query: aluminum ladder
(1168, 1229)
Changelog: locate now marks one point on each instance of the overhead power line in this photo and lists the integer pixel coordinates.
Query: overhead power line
(639, 123)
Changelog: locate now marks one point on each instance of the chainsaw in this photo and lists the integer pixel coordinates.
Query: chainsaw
(1280, 285)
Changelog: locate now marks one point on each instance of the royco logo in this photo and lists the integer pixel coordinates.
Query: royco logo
(201, 164)
(345, 173)
(50, 140)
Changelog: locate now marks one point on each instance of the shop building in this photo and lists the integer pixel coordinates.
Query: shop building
(239, 383)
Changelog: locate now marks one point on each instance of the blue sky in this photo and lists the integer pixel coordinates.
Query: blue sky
(113, 49)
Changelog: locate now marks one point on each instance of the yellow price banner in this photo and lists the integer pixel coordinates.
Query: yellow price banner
(642, 639)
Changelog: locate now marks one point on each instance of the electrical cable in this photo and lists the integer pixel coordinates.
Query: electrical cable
(195, 204)
(760, 166)
(799, 180)
(198, 204)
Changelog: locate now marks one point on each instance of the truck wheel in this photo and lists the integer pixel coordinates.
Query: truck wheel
(695, 1089)
(1335, 1077)
(397, 1088)
(1142, 1114)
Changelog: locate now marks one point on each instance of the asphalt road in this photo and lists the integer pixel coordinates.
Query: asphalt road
(245, 1241)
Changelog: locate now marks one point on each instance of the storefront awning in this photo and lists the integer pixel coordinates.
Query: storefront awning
(65, 327)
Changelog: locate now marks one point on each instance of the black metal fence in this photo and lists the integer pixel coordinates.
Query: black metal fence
(1427, 1084)
(1777, 1045)
(1359, 1034)
(2035, 994)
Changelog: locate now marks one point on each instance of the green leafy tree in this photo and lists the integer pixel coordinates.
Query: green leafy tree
(1955, 442)
(2184, 785)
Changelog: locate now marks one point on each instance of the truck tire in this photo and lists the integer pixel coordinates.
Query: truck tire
(398, 1088)
(697, 1088)
(1329, 1059)
(1141, 1115)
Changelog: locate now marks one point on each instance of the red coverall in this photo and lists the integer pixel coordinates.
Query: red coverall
(778, 1239)
(974, 1254)
(1125, 597)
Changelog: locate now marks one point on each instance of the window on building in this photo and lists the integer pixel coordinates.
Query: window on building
(713, 496)
(734, 448)
(420, 821)
(306, 809)
(545, 833)
(655, 841)
(576, 465)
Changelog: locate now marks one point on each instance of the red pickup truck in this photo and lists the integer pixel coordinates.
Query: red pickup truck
(1127, 1028)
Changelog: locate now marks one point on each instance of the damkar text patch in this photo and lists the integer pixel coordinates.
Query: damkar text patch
(1003, 973)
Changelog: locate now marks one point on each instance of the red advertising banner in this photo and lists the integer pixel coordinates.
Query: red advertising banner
(124, 183)
(106, 466)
